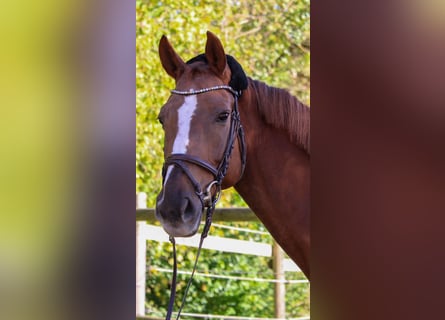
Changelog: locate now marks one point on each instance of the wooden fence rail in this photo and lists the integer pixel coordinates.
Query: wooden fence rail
(220, 214)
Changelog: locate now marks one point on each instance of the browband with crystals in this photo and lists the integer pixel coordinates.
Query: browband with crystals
(192, 91)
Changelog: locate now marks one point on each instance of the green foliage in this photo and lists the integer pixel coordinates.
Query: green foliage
(271, 40)
(218, 296)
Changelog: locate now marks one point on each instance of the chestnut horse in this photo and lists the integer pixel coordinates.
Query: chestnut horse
(225, 129)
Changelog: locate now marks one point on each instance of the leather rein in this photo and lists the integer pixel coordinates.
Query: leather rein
(205, 196)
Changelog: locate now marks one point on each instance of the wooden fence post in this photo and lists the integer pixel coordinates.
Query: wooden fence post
(280, 287)
(141, 253)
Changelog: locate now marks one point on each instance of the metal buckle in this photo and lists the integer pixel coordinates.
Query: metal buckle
(207, 196)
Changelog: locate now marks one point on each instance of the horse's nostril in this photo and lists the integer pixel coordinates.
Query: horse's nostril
(189, 210)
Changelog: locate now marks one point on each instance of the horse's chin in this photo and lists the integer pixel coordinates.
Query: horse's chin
(182, 229)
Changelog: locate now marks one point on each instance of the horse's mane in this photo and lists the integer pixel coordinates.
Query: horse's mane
(282, 110)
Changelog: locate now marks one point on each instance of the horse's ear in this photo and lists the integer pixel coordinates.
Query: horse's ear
(215, 53)
(172, 63)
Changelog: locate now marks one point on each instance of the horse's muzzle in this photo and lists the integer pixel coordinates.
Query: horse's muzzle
(180, 216)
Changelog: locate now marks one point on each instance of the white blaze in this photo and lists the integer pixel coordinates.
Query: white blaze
(180, 144)
(185, 115)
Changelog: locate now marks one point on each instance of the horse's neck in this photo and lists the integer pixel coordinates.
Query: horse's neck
(275, 185)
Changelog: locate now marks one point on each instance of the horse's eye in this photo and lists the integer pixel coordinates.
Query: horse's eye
(223, 116)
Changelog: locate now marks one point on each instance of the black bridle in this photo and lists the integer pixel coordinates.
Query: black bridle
(205, 196)
(180, 159)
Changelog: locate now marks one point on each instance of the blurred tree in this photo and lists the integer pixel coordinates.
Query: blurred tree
(271, 40)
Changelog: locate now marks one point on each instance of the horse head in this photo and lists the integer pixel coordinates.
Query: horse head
(203, 134)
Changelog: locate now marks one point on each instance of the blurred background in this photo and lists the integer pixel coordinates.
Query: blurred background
(67, 98)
